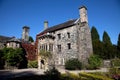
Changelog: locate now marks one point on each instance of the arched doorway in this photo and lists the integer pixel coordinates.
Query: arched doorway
(42, 62)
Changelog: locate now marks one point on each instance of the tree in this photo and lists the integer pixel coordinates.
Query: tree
(118, 42)
(118, 46)
(108, 47)
(97, 44)
(94, 34)
(94, 62)
(31, 39)
(106, 38)
(15, 57)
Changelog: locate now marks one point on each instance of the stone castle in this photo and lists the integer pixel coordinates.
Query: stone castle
(71, 39)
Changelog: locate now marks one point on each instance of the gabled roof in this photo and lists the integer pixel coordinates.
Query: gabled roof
(3, 39)
(59, 26)
(14, 40)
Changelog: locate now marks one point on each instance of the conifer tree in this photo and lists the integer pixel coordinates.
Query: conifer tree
(108, 47)
(97, 44)
(31, 39)
(118, 42)
(94, 34)
(106, 38)
(118, 46)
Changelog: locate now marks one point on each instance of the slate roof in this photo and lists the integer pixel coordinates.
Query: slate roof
(3, 39)
(14, 40)
(59, 26)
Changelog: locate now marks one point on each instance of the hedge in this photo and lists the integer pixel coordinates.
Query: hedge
(70, 76)
(93, 76)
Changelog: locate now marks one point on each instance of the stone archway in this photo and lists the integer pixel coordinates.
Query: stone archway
(42, 62)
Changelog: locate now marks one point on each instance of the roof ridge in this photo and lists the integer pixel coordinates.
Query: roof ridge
(59, 26)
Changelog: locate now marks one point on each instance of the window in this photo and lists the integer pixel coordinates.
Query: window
(46, 47)
(68, 35)
(69, 45)
(59, 48)
(50, 47)
(59, 36)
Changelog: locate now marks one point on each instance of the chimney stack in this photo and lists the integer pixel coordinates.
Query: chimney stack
(83, 14)
(45, 25)
(25, 33)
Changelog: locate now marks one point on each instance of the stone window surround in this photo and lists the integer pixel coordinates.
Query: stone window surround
(69, 45)
(59, 48)
(68, 34)
(59, 36)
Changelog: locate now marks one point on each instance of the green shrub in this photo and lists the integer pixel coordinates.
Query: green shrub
(70, 76)
(93, 76)
(53, 74)
(73, 64)
(115, 62)
(32, 64)
(114, 71)
(94, 62)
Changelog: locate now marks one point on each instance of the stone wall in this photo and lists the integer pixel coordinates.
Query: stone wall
(84, 42)
(79, 39)
(65, 54)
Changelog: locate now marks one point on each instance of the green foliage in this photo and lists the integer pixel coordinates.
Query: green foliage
(118, 42)
(108, 51)
(33, 64)
(93, 76)
(106, 38)
(45, 54)
(14, 57)
(98, 48)
(118, 46)
(94, 62)
(104, 49)
(53, 74)
(94, 34)
(114, 70)
(31, 39)
(73, 64)
(115, 62)
(70, 76)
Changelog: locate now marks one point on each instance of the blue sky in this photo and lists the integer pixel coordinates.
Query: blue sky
(14, 14)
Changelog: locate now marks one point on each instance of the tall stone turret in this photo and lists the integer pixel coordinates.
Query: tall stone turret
(25, 33)
(83, 14)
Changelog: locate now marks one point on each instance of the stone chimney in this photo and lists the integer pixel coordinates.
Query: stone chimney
(45, 25)
(83, 14)
(25, 33)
